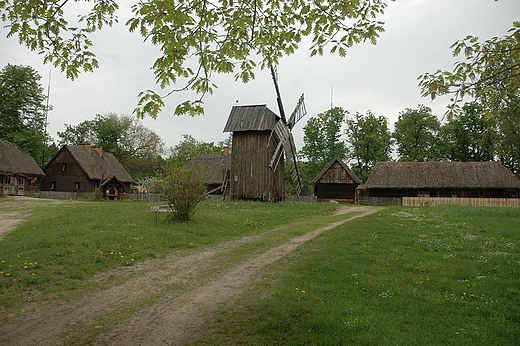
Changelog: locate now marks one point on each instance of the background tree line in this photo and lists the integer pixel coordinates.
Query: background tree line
(470, 134)
(361, 140)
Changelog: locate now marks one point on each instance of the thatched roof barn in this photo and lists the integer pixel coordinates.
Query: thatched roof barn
(336, 182)
(85, 168)
(442, 179)
(251, 176)
(19, 173)
(218, 167)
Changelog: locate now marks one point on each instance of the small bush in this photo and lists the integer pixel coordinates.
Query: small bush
(184, 189)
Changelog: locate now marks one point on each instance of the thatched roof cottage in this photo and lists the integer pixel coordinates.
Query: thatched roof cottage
(19, 173)
(442, 179)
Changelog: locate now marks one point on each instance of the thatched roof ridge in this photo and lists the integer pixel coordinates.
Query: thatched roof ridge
(14, 160)
(343, 164)
(251, 118)
(96, 166)
(217, 164)
(441, 175)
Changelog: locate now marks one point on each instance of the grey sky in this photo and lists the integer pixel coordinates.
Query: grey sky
(380, 78)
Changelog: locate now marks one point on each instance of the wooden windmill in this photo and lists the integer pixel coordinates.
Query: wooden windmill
(282, 139)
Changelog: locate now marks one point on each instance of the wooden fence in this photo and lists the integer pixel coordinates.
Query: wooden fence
(489, 202)
(380, 201)
(141, 197)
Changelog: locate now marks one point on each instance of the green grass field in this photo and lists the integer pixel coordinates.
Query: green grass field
(61, 246)
(425, 276)
(443, 275)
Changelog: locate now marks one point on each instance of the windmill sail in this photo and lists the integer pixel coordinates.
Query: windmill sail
(279, 137)
(298, 113)
(283, 139)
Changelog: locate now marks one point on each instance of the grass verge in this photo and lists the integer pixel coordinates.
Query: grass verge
(412, 276)
(61, 246)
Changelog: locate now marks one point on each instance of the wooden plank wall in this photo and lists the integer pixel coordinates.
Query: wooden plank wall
(431, 201)
(336, 174)
(251, 177)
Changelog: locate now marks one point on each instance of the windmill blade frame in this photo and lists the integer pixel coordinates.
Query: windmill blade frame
(299, 112)
(279, 136)
(282, 136)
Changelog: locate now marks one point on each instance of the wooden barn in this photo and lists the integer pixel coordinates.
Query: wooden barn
(251, 176)
(336, 182)
(85, 168)
(442, 179)
(19, 173)
(217, 168)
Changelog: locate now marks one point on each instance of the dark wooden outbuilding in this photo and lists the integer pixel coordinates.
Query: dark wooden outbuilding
(19, 173)
(85, 168)
(488, 179)
(216, 169)
(251, 176)
(336, 182)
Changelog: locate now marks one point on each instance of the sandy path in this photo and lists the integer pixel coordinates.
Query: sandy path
(15, 213)
(178, 317)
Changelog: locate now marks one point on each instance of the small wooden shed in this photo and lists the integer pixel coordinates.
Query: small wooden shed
(85, 168)
(488, 179)
(19, 173)
(336, 182)
(251, 176)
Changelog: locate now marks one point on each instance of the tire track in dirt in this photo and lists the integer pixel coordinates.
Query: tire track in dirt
(173, 320)
(181, 320)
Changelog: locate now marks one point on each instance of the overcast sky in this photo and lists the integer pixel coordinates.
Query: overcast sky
(380, 78)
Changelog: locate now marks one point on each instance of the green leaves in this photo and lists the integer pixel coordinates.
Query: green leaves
(416, 134)
(369, 141)
(196, 38)
(489, 73)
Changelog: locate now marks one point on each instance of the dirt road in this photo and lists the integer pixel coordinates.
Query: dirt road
(166, 301)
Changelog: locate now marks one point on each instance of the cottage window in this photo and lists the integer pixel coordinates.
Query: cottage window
(21, 182)
(63, 167)
(7, 181)
(53, 185)
(76, 186)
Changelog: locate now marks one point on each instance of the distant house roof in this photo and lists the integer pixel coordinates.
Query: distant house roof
(251, 118)
(217, 164)
(97, 165)
(438, 175)
(343, 165)
(14, 160)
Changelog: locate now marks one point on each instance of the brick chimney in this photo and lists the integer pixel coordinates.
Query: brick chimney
(99, 150)
(87, 147)
(225, 151)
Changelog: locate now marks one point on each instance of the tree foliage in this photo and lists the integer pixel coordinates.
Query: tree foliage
(508, 146)
(490, 72)
(470, 135)
(196, 38)
(322, 141)
(137, 147)
(23, 109)
(416, 134)
(184, 189)
(189, 147)
(369, 141)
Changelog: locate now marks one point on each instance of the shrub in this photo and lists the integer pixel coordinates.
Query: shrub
(184, 189)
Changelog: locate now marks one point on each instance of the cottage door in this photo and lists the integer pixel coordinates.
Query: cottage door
(14, 186)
